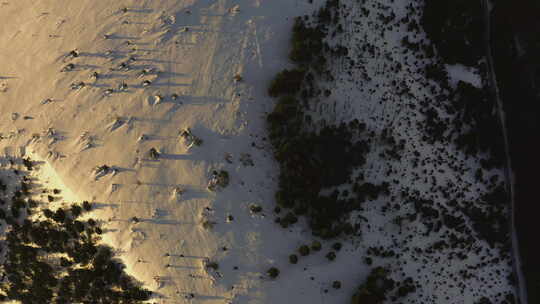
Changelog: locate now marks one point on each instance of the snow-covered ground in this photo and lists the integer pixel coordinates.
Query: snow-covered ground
(190, 52)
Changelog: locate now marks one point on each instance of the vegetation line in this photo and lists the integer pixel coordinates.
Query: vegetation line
(508, 172)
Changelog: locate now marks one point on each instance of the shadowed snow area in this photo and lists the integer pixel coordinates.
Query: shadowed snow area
(140, 77)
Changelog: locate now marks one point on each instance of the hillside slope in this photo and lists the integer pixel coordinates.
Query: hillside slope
(141, 72)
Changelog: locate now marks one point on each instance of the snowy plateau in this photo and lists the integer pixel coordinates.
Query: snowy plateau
(91, 83)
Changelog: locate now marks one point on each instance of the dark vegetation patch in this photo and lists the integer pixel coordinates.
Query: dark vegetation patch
(378, 288)
(477, 128)
(55, 257)
(485, 219)
(272, 272)
(314, 160)
(518, 77)
(454, 215)
(286, 82)
(456, 29)
(457, 33)
(310, 162)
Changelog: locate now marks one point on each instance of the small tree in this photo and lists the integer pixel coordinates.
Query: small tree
(316, 246)
(76, 210)
(331, 256)
(59, 216)
(87, 206)
(293, 258)
(303, 250)
(273, 272)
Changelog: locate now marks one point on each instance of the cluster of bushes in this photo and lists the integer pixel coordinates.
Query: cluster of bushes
(473, 126)
(307, 43)
(378, 286)
(456, 29)
(316, 246)
(477, 125)
(490, 217)
(309, 50)
(310, 162)
(286, 82)
(313, 160)
(374, 290)
(55, 257)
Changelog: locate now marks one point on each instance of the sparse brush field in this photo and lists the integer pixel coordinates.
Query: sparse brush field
(326, 170)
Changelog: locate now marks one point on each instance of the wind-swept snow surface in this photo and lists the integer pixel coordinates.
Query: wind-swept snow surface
(105, 91)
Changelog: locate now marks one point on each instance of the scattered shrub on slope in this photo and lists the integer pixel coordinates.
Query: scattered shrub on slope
(60, 260)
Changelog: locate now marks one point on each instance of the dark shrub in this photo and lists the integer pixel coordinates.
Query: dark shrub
(293, 258)
(76, 210)
(273, 272)
(316, 246)
(60, 215)
(48, 213)
(212, 265)
(87, 206)
(331, 256)
(255, 208)
(303, 250)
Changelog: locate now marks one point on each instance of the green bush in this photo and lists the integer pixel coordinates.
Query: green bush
(59, 215)
(223, 178)
(87, 206)
(255, 208)
(288, 219)
(316, 246)
(331, 256)
(273, 272)
(293, 259)
(303, 250)
(212, 265)
(76, 210)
